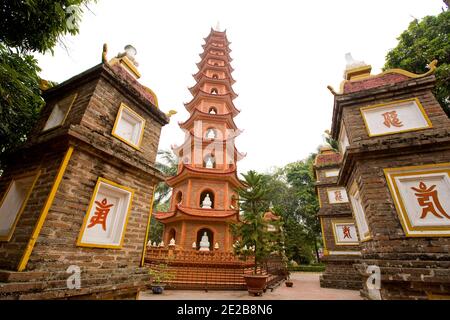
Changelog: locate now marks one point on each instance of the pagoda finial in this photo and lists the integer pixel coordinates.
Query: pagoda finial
(217, 28)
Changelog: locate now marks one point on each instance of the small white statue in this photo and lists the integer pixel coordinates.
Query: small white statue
(216, 246)
(172, 242)
(149, 243)
(154, 244)
(161, 244)
(194, 245)
(207, 203)
(204, 243)
(352, 63)
(209, 163)
(212, 111)
(211, 134)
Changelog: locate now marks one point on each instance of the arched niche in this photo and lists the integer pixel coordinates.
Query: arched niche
(178, 197)
(209, 161)
(211, 133)
(210, 235)
(210, 193)
(212, 110)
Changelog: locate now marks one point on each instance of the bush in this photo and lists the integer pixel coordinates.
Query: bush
(308, 268)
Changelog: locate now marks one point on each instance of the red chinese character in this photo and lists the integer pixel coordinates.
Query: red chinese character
(391, 119)
(100, 214)
(338, 196)
(429, 200)
(346, 230)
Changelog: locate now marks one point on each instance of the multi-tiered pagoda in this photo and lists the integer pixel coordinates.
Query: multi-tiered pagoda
(204, 197)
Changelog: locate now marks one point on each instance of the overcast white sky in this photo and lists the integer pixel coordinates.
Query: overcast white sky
(285, 54)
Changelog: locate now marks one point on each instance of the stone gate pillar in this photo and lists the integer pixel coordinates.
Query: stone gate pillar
(76, 199)
(340, 238)
(395, 142)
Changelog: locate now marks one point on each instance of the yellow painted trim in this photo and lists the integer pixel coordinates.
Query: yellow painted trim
(382, 105)
(318, 197)
(130, 65)
(144, 250)
(432, 296)
(36, 175)
(336, 188)
(101, 180)
(342, 221)
(113, 132)
(400, 206)
(154, 96)
(325, 250)
(37, 229)
(367, 235)
(75, 95)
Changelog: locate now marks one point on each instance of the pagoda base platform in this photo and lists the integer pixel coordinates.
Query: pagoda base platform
(340, 273)
(96, 284)
(194, 270)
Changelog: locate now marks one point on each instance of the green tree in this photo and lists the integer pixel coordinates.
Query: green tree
(301, 176)
(20, 100)
(38, 25)
(254, 238)
(284, 199)
(26, 27)
(421, 43)
(168, 165)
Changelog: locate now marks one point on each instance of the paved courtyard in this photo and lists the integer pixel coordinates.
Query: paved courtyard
(306, 287)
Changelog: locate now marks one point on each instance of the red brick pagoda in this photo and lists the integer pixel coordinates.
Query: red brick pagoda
(204, 199)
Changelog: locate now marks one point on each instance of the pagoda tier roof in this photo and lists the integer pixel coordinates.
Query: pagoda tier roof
(189, 172)
(222, 35)
(216, 118)
(194, 90)
(205, 65)
(209, 55)
(209, 46)
(216, 97)
(201, 73)
(207, 52)
(206, 142)
(187, 213)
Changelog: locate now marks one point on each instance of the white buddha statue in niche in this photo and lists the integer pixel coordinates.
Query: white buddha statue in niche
(172, 242)
(210, 134)
(204, 243)
(209, 163)
(207, 203)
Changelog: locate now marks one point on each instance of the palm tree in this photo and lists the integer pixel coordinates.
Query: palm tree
(169, 168)
(252, 232)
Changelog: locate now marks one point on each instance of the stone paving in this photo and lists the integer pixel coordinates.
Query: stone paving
(306, 287)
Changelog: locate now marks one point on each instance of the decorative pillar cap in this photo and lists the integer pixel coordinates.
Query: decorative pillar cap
(356, 69)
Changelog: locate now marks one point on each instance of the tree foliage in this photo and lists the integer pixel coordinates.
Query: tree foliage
(300, 175)
(253, 234)
(38, 25)
(421, 43)
(167, 164)
(28, 26)
(20, 100)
